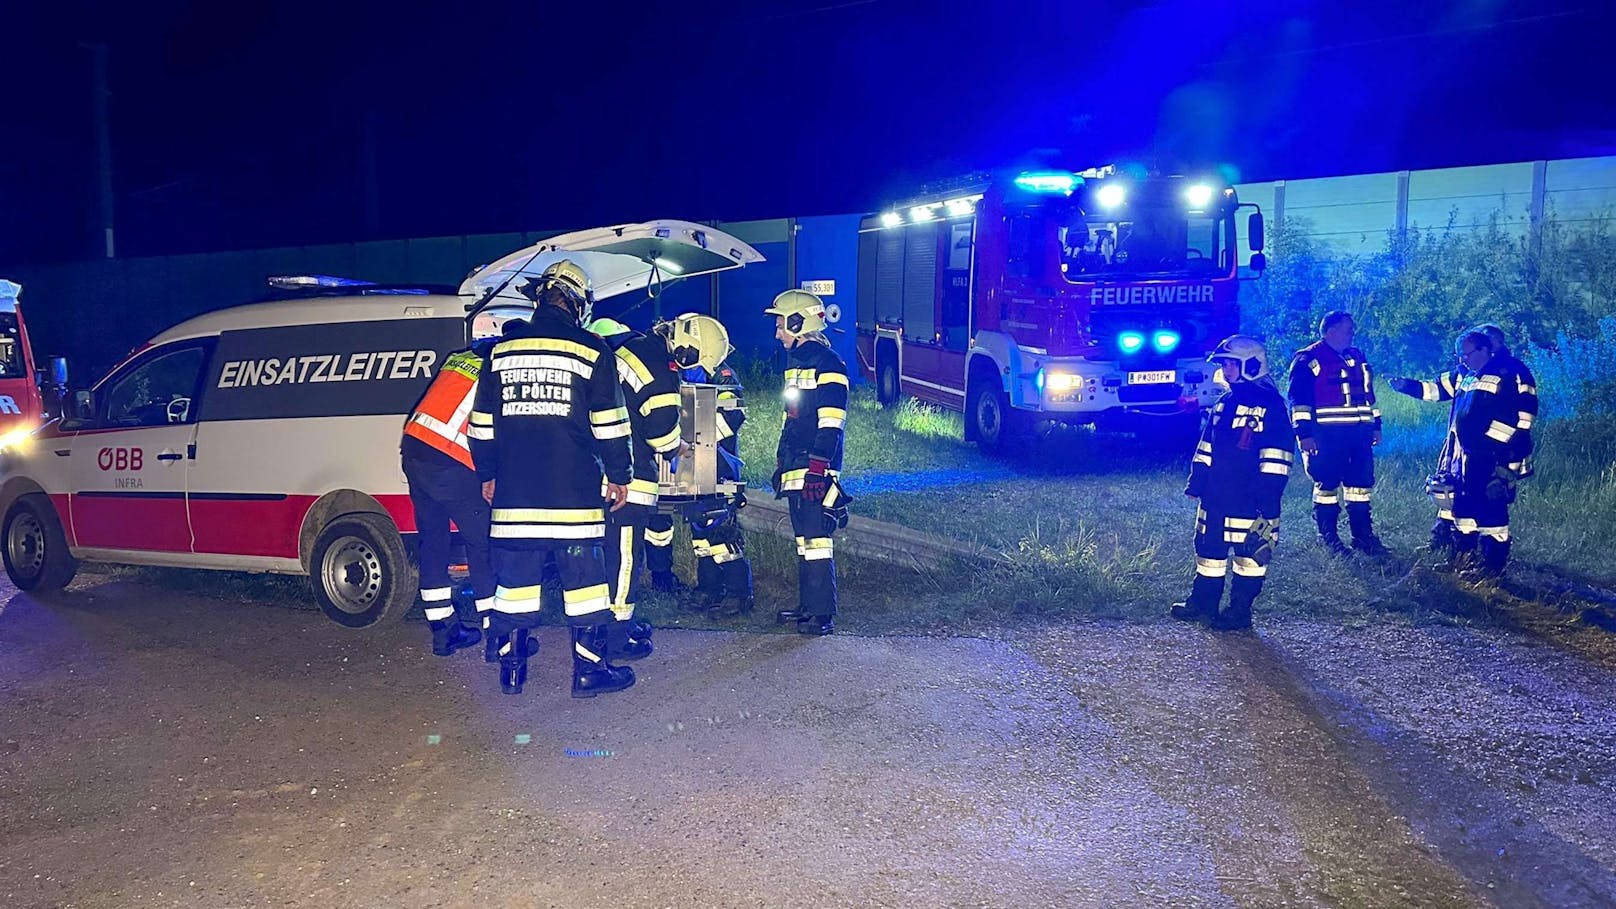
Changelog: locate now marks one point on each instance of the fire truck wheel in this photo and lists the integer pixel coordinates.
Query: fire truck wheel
(887, 388)
(36, 555)
(998, 425)
(361, 573)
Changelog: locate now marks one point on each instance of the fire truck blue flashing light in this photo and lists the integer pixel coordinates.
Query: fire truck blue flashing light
(1048, 183)
(1130, 341)
(1165, 340)
(1111, 195)
(1198, 195)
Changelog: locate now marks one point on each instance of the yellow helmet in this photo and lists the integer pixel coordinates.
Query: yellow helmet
(803, 312)
(697, 340)
(564, 284)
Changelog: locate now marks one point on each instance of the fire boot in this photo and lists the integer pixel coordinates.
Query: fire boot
(449, 635)
(491, 650)
(591, 674)
(1494, 556)
(737, 577)
(1363, 531)
(1328, 517)
(1202, 605)
(816, 625)
(1242, 593)
(667, 582)
(513, 662)
(1441, 543)
(619, 642)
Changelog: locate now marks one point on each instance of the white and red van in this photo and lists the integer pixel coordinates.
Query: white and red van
(265, 437)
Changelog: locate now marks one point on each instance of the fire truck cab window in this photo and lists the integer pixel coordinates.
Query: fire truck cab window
(11, 365)
(1154, 242)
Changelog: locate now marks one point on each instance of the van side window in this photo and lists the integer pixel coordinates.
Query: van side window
(157, 391)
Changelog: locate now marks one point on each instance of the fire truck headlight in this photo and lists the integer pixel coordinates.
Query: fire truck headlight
(1130, 341)
(1063, 381)
(891, 219)
(1165, 340)
(1111, 195)
(1199, 196)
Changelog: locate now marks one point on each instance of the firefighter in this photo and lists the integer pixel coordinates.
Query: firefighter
(809, 456)
(1445, 388)
(1333, 404)
(723, 573)
(548, 420)
(699, 345)
(1481, 436)
(1238, 475)
(650, 388)
(1518, 377)
(444, 487)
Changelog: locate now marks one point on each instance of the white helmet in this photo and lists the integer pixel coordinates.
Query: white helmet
(564, 284)
(697, 340)
(1245, 350)
(803, 312)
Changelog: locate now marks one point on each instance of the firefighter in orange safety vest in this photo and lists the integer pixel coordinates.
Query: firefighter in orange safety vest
(444, 487)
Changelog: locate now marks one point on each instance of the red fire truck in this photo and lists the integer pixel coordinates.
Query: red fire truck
(1087, 297)
(22, 407)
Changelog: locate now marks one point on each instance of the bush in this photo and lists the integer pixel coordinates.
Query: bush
(1577, 376)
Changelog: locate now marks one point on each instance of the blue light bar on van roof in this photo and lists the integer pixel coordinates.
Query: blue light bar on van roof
(293, 282)
(1048, 182)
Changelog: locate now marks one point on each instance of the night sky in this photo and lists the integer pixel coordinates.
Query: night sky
(252, 123)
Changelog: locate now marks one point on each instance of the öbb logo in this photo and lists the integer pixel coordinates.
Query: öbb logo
(120, 459)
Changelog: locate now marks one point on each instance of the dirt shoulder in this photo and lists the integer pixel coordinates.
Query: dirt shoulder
(161, 747)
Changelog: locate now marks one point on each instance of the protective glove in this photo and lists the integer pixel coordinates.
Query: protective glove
(817, 481)
(1265, 531)
(1411, 387)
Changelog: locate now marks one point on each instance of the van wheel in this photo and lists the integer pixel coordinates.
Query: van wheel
(35, 551)
(360, 571)
(887, 388)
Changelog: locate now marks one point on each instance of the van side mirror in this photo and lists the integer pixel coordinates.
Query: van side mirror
(1254, 233)
(84, 404)
(1258, 262)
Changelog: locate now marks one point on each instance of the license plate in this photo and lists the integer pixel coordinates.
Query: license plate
(1152, 377)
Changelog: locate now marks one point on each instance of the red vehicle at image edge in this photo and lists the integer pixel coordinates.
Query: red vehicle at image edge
(1087, 297)
(22, 402)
